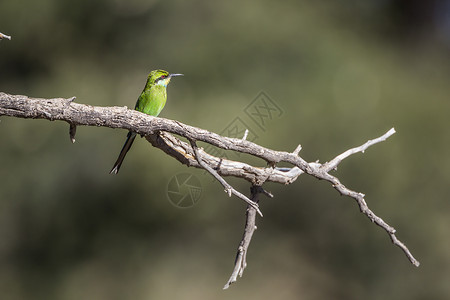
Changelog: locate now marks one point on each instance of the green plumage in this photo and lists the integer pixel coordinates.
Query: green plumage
(151, 102)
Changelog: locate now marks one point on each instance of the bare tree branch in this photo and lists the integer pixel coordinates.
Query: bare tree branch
(338, 159)
(240, 262)
(182, 151)
(228, 188)
(159, 132)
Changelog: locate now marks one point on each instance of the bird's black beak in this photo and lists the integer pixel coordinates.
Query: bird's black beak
(173, 75)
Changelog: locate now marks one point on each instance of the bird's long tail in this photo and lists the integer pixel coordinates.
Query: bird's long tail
(130, 139)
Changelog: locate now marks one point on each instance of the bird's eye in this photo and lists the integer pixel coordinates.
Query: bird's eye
(163, 76)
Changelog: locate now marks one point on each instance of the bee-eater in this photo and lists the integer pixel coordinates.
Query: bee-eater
(151, 102)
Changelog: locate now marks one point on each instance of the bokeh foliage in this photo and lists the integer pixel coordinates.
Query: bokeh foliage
(341, 72)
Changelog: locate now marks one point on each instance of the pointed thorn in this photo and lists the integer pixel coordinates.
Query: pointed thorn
(245, 135)
(297, 150)
(72, 132)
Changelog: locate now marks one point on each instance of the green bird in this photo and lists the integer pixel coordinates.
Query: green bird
(150, 102)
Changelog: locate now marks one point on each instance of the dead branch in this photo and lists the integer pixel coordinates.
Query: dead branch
(240, 263)
(159, 132)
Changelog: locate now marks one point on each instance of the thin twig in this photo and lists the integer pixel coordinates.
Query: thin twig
(338, 159)
(240, 262)
(228, 188)
(359, 197)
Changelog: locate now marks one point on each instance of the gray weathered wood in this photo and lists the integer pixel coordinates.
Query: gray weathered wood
(161, 133)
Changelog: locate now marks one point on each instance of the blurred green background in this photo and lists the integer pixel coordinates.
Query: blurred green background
(342, 72)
